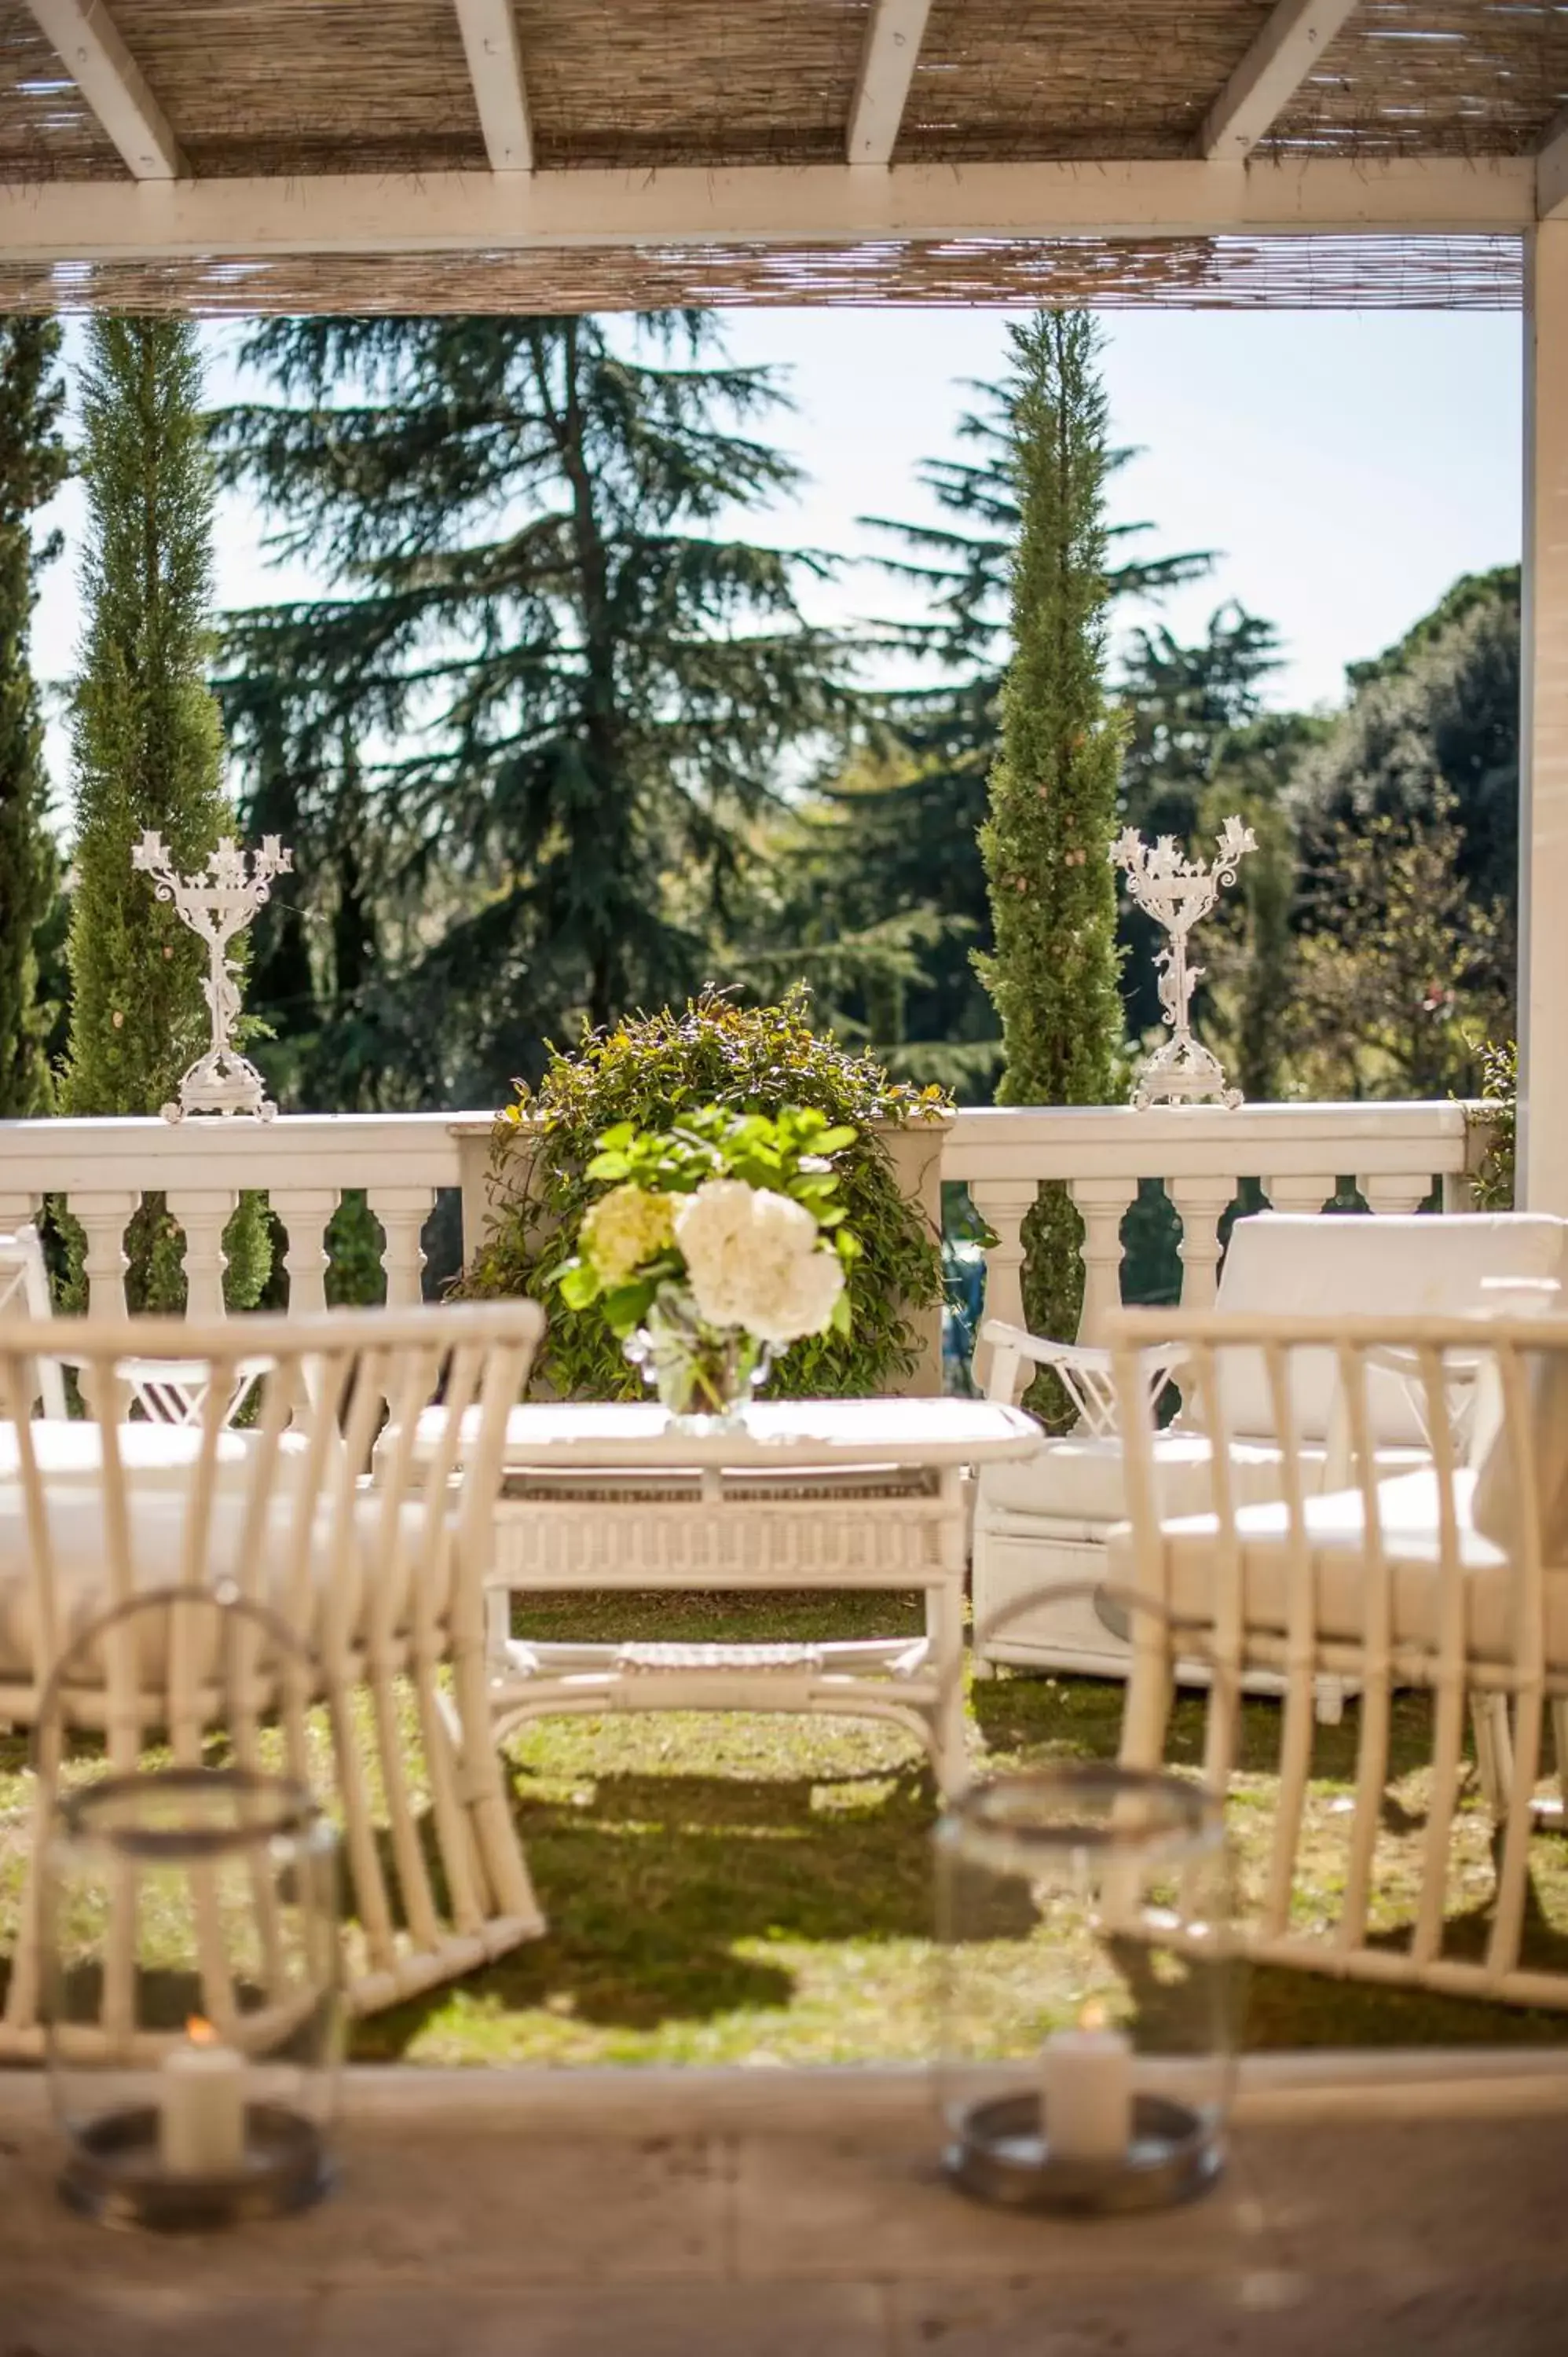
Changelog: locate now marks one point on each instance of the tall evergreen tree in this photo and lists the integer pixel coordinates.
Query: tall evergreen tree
(519, 748)
(148, 753)
(909, 840)
(32, 465)
(1053, 973)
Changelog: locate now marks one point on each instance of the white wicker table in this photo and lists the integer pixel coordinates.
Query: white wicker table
(830, 1494)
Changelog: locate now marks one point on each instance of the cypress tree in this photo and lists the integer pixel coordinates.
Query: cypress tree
(1053, 973)
(32, 465)
(148, 753)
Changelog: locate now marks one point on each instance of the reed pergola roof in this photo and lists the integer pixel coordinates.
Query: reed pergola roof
(548, 154)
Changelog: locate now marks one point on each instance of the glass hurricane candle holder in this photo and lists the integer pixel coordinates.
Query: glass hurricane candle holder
(1087, 1988)
(189, 1939)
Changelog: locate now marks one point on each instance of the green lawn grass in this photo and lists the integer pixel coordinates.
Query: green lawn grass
(757, 1888)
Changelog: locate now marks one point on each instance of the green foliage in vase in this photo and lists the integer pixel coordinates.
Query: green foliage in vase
(148, 753)
(32, 466)
(790, 1155)
(653, 1072)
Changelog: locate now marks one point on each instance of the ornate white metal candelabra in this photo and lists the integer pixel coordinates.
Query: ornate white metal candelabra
(1176, 891)
(217, 903)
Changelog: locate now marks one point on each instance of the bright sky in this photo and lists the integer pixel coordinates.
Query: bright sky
(1347, 466)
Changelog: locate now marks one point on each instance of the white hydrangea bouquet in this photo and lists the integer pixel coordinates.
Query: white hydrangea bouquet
(718, 1243)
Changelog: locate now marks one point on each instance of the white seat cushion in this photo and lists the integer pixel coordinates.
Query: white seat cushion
(1081, 1478)
(1335, 1532)
(158, 1520)
(70, 1449)
(1281, 1263)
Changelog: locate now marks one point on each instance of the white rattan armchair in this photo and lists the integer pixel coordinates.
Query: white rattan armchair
(1044, 1524)
(1450, 1579)
(385, 1586)
(164, 1390)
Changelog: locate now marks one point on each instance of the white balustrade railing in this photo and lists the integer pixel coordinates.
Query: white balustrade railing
(1299, 1154)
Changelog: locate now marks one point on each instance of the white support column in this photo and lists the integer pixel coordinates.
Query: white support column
(304, 1211)
(1101, 1205)
(204, 1215)
(403, 1211)
(1543, 746)
(1200, 1205)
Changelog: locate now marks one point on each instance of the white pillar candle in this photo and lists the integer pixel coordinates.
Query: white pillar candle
(1086, 2088)
(201, 2109)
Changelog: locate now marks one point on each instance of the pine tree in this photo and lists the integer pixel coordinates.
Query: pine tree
(148, 753)
(518, 748)
(1053, 973)
(32, 465)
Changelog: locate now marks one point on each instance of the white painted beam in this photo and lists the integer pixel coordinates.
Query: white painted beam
(887, 63)
(112, 83)
(1269, 76)
(1551, 173)
(835, 204)
(1544, 735)
(495, 67)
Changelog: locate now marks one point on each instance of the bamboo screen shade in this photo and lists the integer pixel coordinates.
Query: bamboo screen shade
(284, 90)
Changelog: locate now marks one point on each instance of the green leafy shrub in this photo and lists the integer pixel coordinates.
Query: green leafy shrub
(650, 1070)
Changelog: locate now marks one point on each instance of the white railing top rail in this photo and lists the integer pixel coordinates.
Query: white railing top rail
(1256, 1141)
(302, 1149)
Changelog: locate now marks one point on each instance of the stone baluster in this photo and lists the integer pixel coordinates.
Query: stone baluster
(1102, 1204)
(1298, 1194)
(1200, 1204)
(17, 1210)
(1395, 1190)
(1003, 1204)
(403, 1211)
(103, 1217)
(304, 1211)
(204, 1213)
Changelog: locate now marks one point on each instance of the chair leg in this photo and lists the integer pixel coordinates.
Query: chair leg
(1329, 1701)
(1494, 1749)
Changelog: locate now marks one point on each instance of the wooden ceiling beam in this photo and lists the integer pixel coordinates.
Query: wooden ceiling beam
(887, 64)
(495, 67)
(1552, 172)
(1269, 77)
(112, 83)
(783, 205)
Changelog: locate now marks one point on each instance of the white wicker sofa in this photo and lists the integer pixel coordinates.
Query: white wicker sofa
(1044, 1523)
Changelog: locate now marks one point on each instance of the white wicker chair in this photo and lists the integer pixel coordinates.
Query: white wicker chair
(1453, 1578)
(386, 1586)
(165, 1390)
(1044, 1523)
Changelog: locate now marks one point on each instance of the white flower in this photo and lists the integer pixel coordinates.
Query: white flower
(753, 1260)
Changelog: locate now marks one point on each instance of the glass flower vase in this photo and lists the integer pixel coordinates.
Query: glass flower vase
(703, 1374)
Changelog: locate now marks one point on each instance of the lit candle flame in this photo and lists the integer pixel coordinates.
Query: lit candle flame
(1094, 2016)
(200, 2032)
